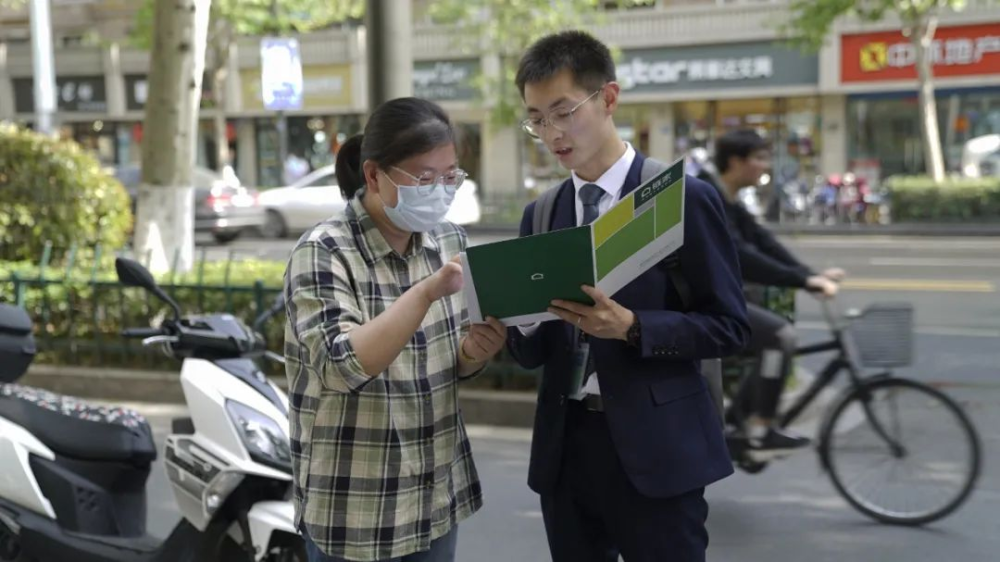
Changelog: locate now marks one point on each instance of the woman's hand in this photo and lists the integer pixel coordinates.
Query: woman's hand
(444, 282)
(484, 341)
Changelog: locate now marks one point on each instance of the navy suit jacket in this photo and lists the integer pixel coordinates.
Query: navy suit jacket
(663, 422)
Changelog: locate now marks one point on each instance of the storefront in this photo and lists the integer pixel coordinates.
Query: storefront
(130, 133)
(315, 133)
(82, 103)
(883, 124)
(678, 98)
(454, 85)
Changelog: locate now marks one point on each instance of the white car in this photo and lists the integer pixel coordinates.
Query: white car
(981, 157)
(223, 207)
(316, 197)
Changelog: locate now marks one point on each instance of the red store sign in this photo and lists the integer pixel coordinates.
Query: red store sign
(969, 50)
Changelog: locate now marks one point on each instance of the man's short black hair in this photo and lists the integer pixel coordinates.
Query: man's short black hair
(740, 144)
(577, 51)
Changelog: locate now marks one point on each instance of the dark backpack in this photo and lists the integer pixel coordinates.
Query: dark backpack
(541, 221)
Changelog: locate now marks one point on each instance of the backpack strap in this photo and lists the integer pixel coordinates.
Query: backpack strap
(541, 220)
(651, 167)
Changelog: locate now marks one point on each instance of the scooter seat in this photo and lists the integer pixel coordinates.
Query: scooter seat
(73, 428)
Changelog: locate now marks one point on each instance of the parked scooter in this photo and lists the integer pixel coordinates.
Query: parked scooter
(73, 475)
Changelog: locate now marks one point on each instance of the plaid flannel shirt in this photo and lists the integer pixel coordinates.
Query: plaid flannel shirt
(383, 464)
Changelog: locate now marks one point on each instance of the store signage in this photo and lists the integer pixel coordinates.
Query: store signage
(969, 50)
(281, 74)
(445, 80)
(324, 87)
(736, 65)
(73, 94)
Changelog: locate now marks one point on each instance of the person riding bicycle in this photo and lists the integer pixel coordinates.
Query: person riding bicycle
(741, 158)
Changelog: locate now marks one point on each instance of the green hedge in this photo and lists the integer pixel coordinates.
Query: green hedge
(56, 191)
(79, 315)
(920, 199)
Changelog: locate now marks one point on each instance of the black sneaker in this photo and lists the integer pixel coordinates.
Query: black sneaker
(775, 443)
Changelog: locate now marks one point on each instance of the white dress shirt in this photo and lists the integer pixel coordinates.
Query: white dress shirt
(611, 182)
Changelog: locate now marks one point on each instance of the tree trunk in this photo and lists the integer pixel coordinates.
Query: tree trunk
(222, 44)
(389, 56)
(165, 216)
(922, 38)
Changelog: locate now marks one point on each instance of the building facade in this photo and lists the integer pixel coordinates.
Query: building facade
(689, 71)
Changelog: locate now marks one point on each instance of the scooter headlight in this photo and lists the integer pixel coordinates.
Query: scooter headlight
(263, 438)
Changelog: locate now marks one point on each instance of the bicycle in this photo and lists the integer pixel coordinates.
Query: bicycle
(879, 337)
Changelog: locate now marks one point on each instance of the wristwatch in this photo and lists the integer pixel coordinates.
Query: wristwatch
(634, 335)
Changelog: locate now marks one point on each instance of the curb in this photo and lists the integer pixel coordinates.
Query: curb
(478, 407)
(119, 385)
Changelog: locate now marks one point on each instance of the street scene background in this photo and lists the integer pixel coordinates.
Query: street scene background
(212, 194)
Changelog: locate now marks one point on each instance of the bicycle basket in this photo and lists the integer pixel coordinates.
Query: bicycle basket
(883, 335)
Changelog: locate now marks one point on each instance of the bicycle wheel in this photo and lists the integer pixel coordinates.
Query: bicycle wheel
(901, 452)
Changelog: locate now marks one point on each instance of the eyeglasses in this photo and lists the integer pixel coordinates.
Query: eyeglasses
(426, 183)
(560, 120)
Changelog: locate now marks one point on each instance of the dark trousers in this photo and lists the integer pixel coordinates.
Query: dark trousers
(775, 339)
(595, 513)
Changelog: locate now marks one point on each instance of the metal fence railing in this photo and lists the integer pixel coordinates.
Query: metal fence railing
(79, 310)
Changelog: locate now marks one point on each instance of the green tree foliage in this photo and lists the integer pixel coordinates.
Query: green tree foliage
(230, 19)
(509, 27)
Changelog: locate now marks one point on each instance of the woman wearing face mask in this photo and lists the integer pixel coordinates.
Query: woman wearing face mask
(376, 341)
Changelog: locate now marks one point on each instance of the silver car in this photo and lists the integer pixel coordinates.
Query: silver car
(223, 207)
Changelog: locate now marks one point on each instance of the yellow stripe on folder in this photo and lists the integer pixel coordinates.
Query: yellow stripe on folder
(612, 221)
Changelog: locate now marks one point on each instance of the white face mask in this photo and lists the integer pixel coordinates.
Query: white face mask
(415, 212)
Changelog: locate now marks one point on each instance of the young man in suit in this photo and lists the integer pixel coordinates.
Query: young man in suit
(621, 457)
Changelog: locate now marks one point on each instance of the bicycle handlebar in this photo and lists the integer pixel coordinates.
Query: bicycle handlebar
(826, 303)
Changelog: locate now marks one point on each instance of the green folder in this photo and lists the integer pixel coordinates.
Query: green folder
(520, 277)
(516, 280)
